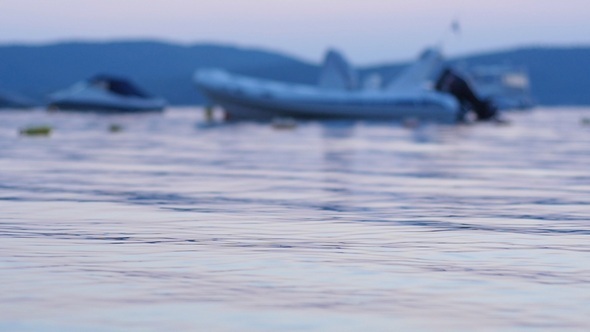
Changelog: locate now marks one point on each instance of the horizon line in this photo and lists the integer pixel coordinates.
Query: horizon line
(262, 48)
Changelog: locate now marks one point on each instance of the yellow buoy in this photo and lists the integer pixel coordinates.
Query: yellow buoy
(209, 112)
(36, 131)
(284, 123)
(115, 128)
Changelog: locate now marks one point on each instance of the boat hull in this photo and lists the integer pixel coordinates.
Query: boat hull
(244, 98)
(85, 97)
(82, 106)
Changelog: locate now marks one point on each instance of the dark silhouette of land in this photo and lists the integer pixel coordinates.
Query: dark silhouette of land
(559, 75)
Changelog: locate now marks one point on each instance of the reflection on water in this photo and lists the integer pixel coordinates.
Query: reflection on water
(171, 224)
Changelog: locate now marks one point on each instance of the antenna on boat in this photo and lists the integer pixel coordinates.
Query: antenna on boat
(454, 30)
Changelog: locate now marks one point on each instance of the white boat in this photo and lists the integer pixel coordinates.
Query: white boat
(508, 87)
(336, 96)
(105, 93)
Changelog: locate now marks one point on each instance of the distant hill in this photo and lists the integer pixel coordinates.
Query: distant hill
(559, 76)
(160, 68)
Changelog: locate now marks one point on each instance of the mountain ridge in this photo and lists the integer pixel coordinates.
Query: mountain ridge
(559, 75)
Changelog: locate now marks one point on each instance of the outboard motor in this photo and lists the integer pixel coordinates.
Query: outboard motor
(450, 82)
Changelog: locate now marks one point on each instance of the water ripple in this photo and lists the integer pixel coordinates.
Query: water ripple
(176, 224)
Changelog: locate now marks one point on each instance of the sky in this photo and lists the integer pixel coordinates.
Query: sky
(367, 31)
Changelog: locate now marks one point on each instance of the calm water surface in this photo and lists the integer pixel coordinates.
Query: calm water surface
(175, 224)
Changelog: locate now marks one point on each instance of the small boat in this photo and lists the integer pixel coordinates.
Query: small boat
(105, 93)
(337, 95)
(508, 87)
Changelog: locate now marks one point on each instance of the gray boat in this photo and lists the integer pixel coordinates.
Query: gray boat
(337, 95)
(105, 93)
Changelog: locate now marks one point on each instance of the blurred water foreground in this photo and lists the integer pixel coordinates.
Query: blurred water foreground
(176, 223)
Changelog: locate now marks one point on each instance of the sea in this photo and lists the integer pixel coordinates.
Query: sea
(176, 222)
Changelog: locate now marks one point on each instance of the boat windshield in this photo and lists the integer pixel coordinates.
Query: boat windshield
(118, 86)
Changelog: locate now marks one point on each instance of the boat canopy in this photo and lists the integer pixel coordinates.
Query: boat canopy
(118, 86)
(419, 74)
(337, 73)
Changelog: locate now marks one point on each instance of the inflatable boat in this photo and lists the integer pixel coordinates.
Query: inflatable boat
(337, 94)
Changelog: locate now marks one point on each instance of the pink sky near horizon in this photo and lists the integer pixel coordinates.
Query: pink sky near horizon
(368, 31)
